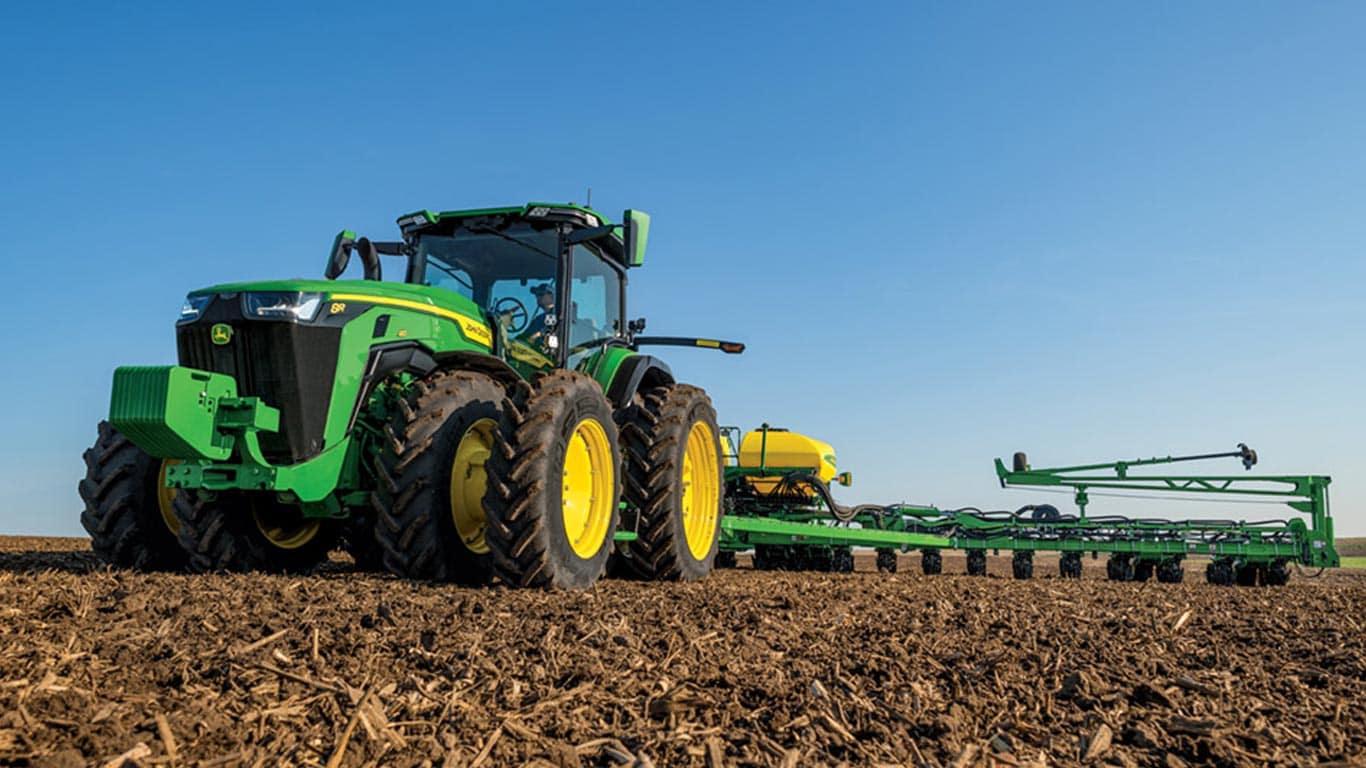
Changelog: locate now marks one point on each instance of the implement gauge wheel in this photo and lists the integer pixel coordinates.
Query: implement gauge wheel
(1143, 569)
(129, 510)
(429, 505)
(1069, 565)
(1220, 573)
(554, 486)
(932, 562)
(673, 472)
(1169, 571)
(843, 560)
(977, 562)
(886, 561)
(1120, 567)
(251, 531)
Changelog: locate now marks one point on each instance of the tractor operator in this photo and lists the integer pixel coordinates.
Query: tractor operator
(545, 303)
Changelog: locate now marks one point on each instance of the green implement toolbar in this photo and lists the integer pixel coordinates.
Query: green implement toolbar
(801, 513)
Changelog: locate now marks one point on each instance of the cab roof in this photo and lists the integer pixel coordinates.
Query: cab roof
(577, 215)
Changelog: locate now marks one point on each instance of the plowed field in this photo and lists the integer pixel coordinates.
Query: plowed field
(348, 669)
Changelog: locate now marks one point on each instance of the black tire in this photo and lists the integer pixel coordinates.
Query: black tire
(1248, 574)
(770, 557)
(977, 562)
(1220, 573)
(1069, 565)
(931, 562)
(815, 558)
(1169, 571)
(1277, 574)
(524, 501)
(1120, 568)
(886, 561)
(1143, 570)
(358, 539)
(1022, 565)
(843, 560)
(724, 559)
(658, 430)
(242, 531)
(122, 510)
(420, 534)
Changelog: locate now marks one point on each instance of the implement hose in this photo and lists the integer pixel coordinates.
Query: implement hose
(840, 512)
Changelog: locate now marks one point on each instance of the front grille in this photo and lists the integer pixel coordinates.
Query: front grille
(290, 366)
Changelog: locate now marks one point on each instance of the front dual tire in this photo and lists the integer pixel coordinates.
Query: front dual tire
(429, 514)
(136, 522)
(129, 512)
(554, 486)
(473, 485)
(240, 531)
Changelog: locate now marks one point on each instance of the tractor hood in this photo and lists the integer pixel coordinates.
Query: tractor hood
(298, 344)
(442, 301)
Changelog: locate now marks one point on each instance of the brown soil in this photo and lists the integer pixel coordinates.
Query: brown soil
(347, 669)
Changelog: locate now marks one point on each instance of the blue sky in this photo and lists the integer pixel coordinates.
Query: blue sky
(947, 231)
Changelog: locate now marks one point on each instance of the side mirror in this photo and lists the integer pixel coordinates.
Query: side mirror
(635, 232)
(340, 255)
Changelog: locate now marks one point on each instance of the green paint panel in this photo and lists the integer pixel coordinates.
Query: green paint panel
(604, 364)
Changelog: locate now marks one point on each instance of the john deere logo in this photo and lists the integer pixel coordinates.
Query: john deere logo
(221, 333)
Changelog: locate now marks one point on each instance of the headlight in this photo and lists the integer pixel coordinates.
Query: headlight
(282, 306)
(193, 307)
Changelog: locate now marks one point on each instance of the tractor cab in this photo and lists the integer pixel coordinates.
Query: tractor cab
(549, 279)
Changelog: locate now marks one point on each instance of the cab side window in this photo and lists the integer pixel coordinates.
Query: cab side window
(595, 299)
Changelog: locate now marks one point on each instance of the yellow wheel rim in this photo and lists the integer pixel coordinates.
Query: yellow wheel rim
(586, 498)
(292, 532)
(166, 498)
(701, 490)
(468, 481)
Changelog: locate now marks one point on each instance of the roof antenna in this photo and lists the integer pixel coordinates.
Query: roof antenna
(589, 204)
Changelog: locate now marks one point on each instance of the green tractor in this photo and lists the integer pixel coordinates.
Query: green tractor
(490, 418)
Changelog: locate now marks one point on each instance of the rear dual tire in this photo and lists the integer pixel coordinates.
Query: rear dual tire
(673, 471)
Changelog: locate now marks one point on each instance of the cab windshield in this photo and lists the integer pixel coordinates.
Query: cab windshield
(486, 265)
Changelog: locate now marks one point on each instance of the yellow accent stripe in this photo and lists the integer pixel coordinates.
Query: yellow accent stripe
(708, 343)
(476, 331)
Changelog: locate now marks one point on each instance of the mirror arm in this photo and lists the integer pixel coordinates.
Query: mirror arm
(592, 233)
(369, 257)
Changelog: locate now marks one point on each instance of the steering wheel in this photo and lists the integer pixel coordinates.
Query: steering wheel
(515, 311)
